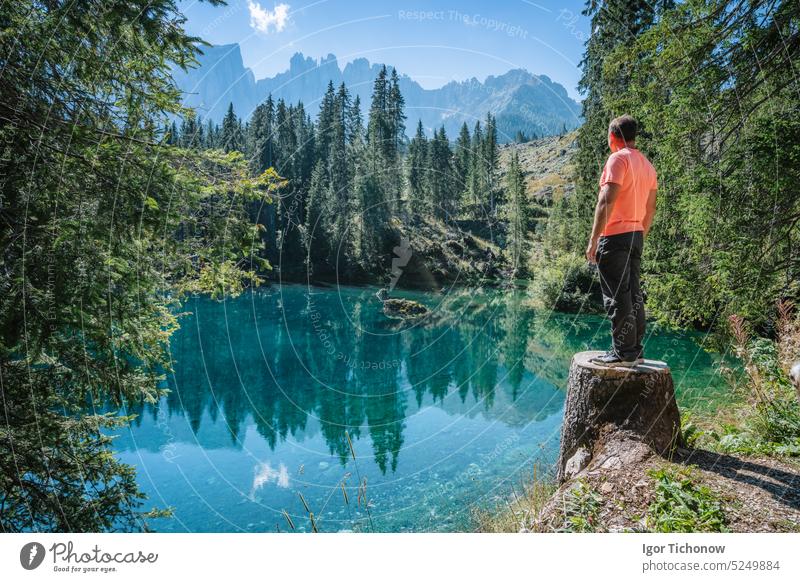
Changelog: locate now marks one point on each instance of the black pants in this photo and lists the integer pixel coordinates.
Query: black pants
(619, 258)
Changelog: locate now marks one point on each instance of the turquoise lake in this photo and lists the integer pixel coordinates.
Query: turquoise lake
(445, 414)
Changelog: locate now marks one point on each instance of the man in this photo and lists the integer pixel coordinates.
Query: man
(625, 208)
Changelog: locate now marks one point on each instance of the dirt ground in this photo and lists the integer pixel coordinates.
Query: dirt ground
(759, 494)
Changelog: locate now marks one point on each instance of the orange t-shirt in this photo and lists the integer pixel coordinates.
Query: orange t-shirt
(636, 176)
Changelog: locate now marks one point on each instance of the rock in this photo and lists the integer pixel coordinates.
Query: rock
(404, 309)
(401, 308)
(610, 463)
(618, 415)
(577, 462)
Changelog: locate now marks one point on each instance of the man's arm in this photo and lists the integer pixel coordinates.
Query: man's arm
(650, 212)
(605, 204)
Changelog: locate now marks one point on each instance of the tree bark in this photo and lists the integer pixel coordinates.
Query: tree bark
(601, 401)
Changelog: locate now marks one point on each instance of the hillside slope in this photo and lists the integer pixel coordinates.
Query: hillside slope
(546, 164)
(469, 252)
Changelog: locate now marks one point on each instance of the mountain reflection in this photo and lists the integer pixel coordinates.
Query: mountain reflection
(290, 362)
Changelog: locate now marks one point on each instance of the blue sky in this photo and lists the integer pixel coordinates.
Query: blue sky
(433, 42)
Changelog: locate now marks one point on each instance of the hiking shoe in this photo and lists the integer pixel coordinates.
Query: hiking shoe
(611, 359)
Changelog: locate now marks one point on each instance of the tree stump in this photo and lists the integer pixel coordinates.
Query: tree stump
(636, 402)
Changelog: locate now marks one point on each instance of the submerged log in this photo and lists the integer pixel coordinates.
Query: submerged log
(603, 403)
(401, 308)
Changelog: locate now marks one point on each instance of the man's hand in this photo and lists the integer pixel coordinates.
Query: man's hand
(591, 251)
(650, 211)
(605, 203)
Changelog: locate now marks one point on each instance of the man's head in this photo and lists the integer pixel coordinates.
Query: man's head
(622, 132)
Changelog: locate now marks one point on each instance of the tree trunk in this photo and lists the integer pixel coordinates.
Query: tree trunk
(602, 401)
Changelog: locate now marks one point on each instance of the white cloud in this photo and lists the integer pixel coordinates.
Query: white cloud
(264, 474)
(263, 20)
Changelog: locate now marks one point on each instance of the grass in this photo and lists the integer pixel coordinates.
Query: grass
(682, 505)
(765, 417)
(519, 512)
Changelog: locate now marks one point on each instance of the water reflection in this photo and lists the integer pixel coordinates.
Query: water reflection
(265, 474)
(283, 357)
(443, 413)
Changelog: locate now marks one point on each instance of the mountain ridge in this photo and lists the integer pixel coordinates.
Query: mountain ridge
(519, 100)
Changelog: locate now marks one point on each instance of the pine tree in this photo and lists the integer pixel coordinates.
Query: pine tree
(490, 159)
(305, 138)
(315, 239)
(172, 135)
(381, 162)
(211, 135)
(394, 177)
(230, 139)
(378, 130)
(189, 130)
(475, 180)
(260, 136)
(395, 115)
(294, 199)
(417, 160)
(199, 137)
(462, 161)
(325, 120)
(439, 176)
(285, 139)
(371, 226)
(356, 148)
(355, 123)
(340, 173)
(517, 214)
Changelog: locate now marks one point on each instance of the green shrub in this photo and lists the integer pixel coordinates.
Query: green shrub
(567, 284)
(690, 432)
(681, 505)
(773, 424)
(743, 441)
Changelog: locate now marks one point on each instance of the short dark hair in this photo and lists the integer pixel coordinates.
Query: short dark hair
(624, 127)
